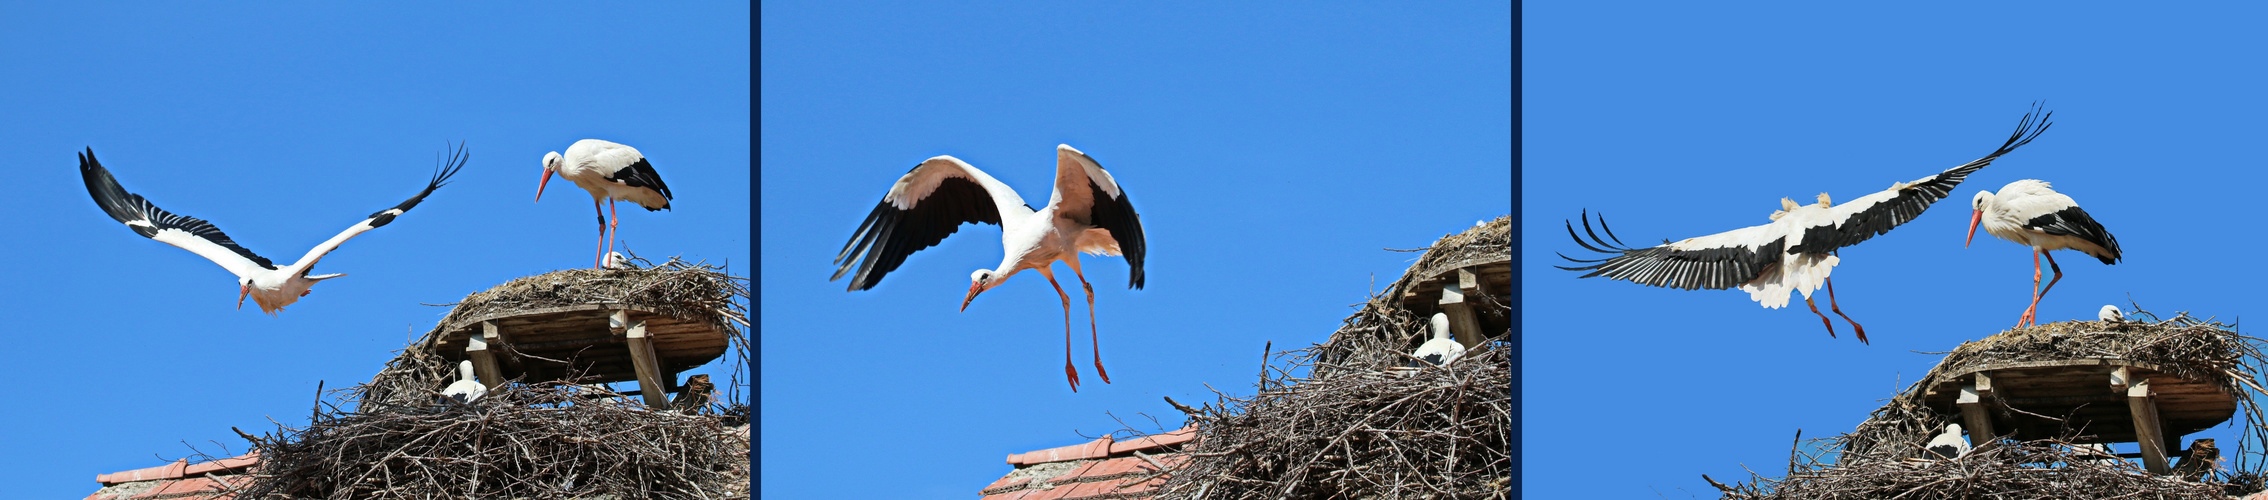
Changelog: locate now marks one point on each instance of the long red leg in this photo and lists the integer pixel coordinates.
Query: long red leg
(1822, 317)
(1069, 371)
(2035, 292)
(1839, 311)
(601, 232)
(614, 220)
(1092, 336)
(2035, 309)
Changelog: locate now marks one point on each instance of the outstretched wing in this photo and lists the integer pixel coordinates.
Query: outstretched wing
(1715, 262)
(930, 202)
(441, 176)
(189, 233)
(1871, 215)
(1089, 195)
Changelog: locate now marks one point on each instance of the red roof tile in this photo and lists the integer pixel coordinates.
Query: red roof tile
(179, 480)
(199, 488)
(1093, 470)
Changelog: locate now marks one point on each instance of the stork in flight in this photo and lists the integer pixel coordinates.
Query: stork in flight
(609, 172)
(1795, 251)
(1087, 213)
(269, 285)
(2029, 213)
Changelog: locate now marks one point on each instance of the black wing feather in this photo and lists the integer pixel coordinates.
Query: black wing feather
(889, 235)
(642, 174)
(1916, 197)
(1714, 268)
(441, 176)
(128, 208)
(2076, 223)
(1116, 214)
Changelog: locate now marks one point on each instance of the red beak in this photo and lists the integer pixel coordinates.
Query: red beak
(241, 292)
(539, 186)
(974, 289)
(1975, 216)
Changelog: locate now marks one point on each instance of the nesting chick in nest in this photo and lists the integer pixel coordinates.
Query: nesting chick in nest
(2200, 460)
(2111, 314)
(1949, 445)
(466, 389)
(696, 395)
(1441, 349)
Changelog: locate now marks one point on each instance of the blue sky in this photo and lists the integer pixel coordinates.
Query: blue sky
(284, 124)
(1273, 153)
(1680, 120)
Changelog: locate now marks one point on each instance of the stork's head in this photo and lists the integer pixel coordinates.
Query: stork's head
(1976, 215)
(979, 281)
(243, 289)
(550, 165)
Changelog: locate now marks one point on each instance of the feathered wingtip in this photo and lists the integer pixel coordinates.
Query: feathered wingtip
(2024, 132)
(1596, 244)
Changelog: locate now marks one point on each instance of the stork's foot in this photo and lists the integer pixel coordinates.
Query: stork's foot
(1072, 373)
(1861, 331)
(1100, 373)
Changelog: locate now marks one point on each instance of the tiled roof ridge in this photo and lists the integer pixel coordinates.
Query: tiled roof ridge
(1104, 447)
(180, 469)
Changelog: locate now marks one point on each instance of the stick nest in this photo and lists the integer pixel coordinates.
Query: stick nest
(1884, 457)
(545, 441)
(540, 440)
(1366, 424)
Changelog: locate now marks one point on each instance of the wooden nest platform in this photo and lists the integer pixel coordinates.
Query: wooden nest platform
(1466, 275)
(2095, 382)
(2031, 399)
(596, 326)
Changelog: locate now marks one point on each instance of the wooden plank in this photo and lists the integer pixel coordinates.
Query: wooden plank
(1979, 422)
(650, 383)
(484, 361)
(1462, 323)
(2146, 428)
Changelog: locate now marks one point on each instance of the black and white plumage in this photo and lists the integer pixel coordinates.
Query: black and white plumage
(269, 285)
(1949, 444)
(695, 396)
(1442, 348)
(1793, 253)
(466, 389)
(2029, 213)
(609, 172)
(1088, 212)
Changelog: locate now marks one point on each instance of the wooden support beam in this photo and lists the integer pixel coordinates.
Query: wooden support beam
(1975, 417)
(2146, 429)
(648, 365)
(1464, 324)
(2118, 378)
(484, 360)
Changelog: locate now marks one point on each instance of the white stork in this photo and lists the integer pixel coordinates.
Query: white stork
(1949, 445)
(2110, 314)
(1795, 251)
(466, 389)
(271, 286)
(2030, 214)
(610, 172)
(1087, 213)
(1441, 349)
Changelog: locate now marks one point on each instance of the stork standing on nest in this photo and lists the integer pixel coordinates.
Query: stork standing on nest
(1793, 253)
(467, 388)
(269, 285)
(2029, 213)
(1086, 213)
(609, 172)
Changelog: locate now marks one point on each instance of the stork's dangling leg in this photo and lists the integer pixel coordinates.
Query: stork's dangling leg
(1822, 317)
(2033, 312)
(1092, 336)
(1831, 306)
(1069, 371)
